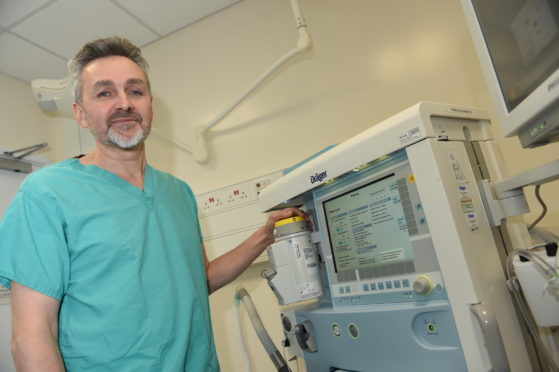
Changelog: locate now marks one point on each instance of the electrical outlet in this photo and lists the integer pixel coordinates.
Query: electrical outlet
(234, 196)
(237, 194)
(210, 202)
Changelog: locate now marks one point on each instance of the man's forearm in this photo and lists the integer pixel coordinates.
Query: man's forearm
(35, 331)
(228, 267)
(36, 354)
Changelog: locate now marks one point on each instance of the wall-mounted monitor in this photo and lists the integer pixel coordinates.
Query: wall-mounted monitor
(517, 42)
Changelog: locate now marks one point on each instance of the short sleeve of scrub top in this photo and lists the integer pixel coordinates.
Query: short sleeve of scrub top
(33, 245)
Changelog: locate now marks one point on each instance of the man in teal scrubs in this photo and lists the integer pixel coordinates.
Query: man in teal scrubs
(103, 253)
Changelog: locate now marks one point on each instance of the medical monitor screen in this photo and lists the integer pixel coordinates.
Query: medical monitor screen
(367, 226)
(522, 37)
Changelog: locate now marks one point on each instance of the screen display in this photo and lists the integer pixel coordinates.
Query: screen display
(522, 37)
(367, 226)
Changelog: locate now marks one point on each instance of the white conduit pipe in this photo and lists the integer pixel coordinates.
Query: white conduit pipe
(304, 43)
(175, 142)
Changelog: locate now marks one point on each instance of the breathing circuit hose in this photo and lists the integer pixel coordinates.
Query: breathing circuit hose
(279, 362)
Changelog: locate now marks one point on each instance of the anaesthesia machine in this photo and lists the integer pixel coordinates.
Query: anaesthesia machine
(407, 261)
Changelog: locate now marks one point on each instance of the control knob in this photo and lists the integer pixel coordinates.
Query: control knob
(423, 285)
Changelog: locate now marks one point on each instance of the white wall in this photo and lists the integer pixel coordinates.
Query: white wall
(370, 60)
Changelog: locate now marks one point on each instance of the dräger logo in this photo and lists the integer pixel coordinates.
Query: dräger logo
(554, 84)
(464, 111)
(317, 177)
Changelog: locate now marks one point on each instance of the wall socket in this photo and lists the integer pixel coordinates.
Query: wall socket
(234, 196)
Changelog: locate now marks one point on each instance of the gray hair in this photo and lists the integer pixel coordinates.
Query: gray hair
(107, 47)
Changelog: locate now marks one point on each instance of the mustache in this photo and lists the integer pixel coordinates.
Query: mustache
(124, 115)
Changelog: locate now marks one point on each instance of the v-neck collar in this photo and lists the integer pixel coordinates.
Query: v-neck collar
(146, 196)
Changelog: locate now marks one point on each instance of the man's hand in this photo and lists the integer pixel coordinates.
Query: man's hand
(278, 216)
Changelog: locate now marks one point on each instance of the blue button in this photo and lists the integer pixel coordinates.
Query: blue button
(397, 284)
(388, 284)
(406, 283)
(373, 286)
(347, 289)
(365, 287)
(380, 285)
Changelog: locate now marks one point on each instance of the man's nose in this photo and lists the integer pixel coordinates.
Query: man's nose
(124, 103)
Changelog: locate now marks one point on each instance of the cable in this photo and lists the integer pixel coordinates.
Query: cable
(544, 208)
(544, 235)
(514, 287)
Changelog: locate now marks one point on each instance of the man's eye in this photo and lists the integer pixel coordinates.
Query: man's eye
(104, 94)
(136, 92)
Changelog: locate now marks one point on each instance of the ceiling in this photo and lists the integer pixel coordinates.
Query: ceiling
(38, 37)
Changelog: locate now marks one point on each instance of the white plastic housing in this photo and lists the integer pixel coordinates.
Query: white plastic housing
(293, 258)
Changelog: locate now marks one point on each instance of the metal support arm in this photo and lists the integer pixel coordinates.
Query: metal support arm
(506, 198)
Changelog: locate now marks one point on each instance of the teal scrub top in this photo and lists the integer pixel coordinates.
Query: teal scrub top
(126, 264)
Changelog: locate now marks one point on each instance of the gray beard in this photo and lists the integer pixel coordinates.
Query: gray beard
(120, 141)
(115, 139)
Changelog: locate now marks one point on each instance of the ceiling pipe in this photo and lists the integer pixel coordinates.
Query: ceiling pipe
(200, 151)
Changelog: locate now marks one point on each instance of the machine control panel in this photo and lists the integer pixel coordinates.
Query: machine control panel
(376, 240)
(415, 288)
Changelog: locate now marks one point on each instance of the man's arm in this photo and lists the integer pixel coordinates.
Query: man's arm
(226, 268)
(35, 331)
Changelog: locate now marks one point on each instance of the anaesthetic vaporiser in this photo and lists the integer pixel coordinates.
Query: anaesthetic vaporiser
(294, 275)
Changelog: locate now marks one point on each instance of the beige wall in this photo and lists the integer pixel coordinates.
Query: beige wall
(22, 123)
(370, 60)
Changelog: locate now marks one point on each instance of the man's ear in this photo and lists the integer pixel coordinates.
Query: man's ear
(79, 114)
